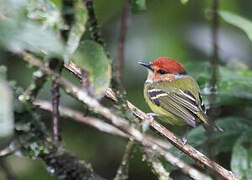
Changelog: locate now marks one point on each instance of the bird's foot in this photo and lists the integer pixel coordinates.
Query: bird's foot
(153, 115)
(184, 139)
(146, 123)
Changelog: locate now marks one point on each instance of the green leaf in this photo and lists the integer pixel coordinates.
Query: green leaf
(242, 156)
(6, 111)
(45, 12)
(78, 28)
(18, 33)
(138, 5)
(91, 57)
(238, 21)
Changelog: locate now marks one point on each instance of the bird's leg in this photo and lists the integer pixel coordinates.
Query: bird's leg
(184, 139)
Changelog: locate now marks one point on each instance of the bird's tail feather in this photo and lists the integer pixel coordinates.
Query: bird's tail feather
(213, 126)
(208, 123)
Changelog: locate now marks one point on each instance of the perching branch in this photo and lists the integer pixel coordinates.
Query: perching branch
(118, 122)
(177, 142)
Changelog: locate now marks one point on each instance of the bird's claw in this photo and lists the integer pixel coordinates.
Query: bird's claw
(184, 139)
(152, 115)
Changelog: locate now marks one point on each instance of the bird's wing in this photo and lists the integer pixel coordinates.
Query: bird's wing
(180, 103)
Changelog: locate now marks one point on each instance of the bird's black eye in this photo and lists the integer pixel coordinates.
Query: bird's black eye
(161, 72)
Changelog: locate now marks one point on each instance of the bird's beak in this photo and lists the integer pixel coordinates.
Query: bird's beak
(146, 64)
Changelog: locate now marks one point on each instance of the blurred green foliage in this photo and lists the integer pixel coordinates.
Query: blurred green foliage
(242, 23)
(138, 5)
(77, 29)
(242, 156)
(156, 28)
(19, 33)
(6, 111)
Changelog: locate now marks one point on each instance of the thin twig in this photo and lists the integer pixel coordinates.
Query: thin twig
(214, 61)
(118, 122)
(55, 111)
(39, 78)
(6, 151)
(177, 142)
(10, 149)
(121, 41)
(213, 80)
(72, 114)
(123, 170)
(56, 65)
(156, 165)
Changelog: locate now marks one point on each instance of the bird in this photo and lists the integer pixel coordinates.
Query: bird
(173, 95)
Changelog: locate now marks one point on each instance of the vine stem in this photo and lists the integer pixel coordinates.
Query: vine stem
(214, 72)
(55, 111)
(55, 65)
(121, 41)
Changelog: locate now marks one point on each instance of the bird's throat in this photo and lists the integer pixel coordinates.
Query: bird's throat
(150, 77)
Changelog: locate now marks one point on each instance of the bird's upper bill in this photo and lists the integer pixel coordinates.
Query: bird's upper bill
(167, 65)
(146, 64)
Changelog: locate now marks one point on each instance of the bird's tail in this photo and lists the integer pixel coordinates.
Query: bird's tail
(213, 126)
(207, 123)
(216, 127)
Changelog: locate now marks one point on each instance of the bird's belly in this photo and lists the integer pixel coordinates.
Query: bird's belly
(165, 115)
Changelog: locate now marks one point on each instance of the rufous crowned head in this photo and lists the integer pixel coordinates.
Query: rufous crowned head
(163, 69)
(168, 65)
